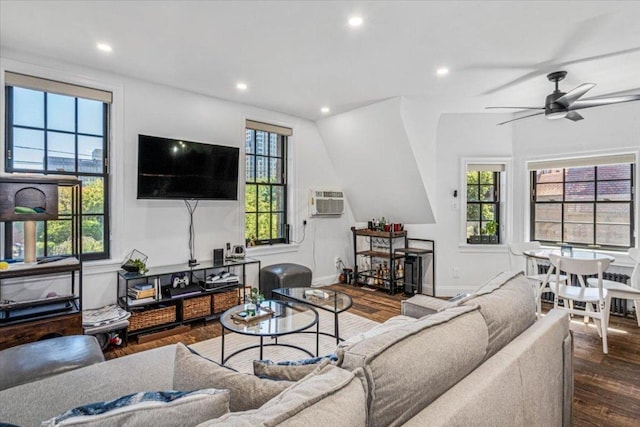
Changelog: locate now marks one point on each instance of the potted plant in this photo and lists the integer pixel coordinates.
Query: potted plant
(491, 233)
(254, 299)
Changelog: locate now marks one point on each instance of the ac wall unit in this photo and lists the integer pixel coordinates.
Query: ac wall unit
(324, 202)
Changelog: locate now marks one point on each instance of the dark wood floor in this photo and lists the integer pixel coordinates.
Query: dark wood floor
(607, 387)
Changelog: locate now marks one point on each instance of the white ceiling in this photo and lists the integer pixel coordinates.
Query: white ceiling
(297, 56)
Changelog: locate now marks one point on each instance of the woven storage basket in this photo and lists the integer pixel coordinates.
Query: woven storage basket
(154, 317)
(224, 300)
(196, 307)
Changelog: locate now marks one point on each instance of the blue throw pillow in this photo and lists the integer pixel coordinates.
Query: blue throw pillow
(291, 370)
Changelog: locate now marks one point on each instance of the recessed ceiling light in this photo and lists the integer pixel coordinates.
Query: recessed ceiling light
(104, 47)
(241, 86)
(442, 71)
(325, 110)
(355, 21)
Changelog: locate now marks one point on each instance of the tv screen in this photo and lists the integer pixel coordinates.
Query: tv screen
(175, 169)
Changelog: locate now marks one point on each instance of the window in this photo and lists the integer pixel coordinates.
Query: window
(584, 202)
(483, 184)
(62, 129)
(266, 184)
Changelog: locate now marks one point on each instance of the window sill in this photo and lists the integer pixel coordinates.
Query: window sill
(272, 249)
(480, 248)
(101, 266)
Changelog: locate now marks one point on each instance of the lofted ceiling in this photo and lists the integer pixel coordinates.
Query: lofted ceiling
(298, 56)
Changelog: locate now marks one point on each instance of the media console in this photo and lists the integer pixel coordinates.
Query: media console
(194, 298)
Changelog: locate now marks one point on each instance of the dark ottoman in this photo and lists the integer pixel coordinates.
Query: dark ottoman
(285, 275)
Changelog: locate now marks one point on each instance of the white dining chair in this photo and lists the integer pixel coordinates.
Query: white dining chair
(539, 281)
(622, 291)
(597, 300)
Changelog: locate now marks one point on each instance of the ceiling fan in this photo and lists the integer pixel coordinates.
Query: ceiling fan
(560, 105)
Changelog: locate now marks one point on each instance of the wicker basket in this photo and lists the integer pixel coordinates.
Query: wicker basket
(224, 300)
(196, 307)
(154, 317)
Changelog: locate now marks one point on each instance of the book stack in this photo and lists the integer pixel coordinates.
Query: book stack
(141, 293)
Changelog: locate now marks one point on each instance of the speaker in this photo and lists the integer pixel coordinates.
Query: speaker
(412, 274)
(218, 256)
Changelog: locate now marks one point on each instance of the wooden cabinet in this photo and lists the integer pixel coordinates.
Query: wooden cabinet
(25, 314)
(376, 262)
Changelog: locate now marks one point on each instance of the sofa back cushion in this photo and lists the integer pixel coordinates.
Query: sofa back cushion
(408, 367)
(508, 306)
(329, 396)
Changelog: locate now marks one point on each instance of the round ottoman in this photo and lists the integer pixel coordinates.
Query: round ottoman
(286, 275)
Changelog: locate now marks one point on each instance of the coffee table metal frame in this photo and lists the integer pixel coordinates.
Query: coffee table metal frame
(299, 295)
(228, 323)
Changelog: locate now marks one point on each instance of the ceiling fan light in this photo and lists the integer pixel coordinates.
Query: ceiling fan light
(556, 115)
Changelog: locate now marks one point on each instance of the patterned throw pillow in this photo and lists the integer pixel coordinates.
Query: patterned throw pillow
(162, 408)
(291, 370)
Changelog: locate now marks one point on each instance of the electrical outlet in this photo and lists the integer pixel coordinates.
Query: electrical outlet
(456, 272)
(337, 262)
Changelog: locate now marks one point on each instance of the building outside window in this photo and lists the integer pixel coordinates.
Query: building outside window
(266, 183)
(60, 129)
(483, 203)
(584, 202)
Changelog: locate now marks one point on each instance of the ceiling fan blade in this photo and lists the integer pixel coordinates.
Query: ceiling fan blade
(518, 108)
(573, 116)
(520, 118)
(572, 96)
(596, 102)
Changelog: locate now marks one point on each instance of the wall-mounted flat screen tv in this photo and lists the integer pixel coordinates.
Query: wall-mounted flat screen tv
(176, 169)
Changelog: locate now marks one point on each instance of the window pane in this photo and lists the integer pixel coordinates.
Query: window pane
(548, 212)
(277, 199)
(488, 212)
(61, 152)
(262, 146)
(587, 173)
(549, 175)
(472, 178)
(250, 228)
(275, 148)
(548, 231)
(614, 190)
(472, 193)
(614, 172)
(28, 107)
(580, 191)
(578, 212)
(40, 239)
(578, 233)
(90, 155)
(486, 193)
(59, 237)
(264, 224)
(17, 234)
(250, 204)
(262, 169)
(486, 177)
(93, 195)
(473, 228)
(61, 112)
(615, 235)
(250, 172)
(616, 213)
(90, 116)
(277, 226)
(275, 170)
(249, 143)
(28, 149)
(92, 233)
(548, 192)
(264, 198)
(473, 212)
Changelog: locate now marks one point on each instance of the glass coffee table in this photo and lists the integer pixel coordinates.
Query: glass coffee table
(286, 318)
(325, 299)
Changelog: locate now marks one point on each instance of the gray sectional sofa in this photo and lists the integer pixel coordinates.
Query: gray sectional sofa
(483, 360)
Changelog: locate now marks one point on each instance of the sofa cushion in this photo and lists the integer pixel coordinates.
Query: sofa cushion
(329, 396)
(507, 305)
(192, 372)
(408, 367)
(160, 409)
(290, 370)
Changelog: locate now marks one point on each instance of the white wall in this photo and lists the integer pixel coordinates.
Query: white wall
(160, 228)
